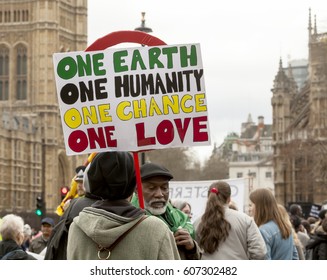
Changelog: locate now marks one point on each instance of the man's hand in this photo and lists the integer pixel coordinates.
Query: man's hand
(183, 238)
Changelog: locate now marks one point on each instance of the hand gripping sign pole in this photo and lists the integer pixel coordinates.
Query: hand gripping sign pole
(113, 39)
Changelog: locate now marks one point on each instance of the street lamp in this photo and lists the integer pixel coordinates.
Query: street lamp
(145, 29)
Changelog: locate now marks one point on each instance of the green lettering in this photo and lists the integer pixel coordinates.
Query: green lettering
(97, 63)
(137, 59)
(67, 68)
(154, 54)
(192, 57)
(169, 53)
(84, 67)
(119, 60)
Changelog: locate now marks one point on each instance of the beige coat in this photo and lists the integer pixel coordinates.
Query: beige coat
(243, 243)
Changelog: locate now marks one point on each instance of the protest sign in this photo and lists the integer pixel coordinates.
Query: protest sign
(132, 99)
(196, 192)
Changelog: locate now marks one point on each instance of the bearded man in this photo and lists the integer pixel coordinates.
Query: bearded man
(155, 184)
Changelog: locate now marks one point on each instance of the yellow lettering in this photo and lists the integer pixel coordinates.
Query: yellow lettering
(104, 113)
(154, 108)
(90, 114)
(121, 111)
(73, 118)
(183, 105)
(139, 107)
(199, 103)
(170, 102)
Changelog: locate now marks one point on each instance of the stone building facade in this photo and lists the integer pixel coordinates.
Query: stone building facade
(33, 160)
(300, 127)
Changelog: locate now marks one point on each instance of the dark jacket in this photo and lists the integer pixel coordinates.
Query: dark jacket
(57, 244)
(18, 253)
(317, 246)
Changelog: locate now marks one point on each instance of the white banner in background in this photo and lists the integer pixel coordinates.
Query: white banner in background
(195, 193)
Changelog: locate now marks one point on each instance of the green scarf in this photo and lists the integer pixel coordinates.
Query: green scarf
(173, 217)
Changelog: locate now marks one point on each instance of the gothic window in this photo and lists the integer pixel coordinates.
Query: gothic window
(4, 73)
(21, 73)
(25, 15)
(7, 16)
(16, 16)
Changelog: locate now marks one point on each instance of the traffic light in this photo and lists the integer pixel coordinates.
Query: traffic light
(39, 211)
(63, 192)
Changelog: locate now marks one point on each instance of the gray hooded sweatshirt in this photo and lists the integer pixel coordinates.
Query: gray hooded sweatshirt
(97, 228)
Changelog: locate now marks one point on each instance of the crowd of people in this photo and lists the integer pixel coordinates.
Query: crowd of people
(105, 221)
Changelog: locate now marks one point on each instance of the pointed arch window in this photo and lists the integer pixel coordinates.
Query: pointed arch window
(4, 73)
(21, 73)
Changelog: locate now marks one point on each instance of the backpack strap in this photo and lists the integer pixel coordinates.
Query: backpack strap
(113, 245)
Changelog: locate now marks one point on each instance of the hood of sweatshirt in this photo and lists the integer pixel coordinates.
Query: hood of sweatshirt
(104, 227)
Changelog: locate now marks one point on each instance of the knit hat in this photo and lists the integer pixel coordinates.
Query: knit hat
(111, 175)
(149, 170)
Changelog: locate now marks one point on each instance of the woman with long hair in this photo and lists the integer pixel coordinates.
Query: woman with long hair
(224, 233)
(297, 241)
(275, 229)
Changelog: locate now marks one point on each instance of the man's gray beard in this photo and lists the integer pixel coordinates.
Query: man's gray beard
(155, 211)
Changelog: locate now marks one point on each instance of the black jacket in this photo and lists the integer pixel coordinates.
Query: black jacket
(318, 246)
(57, 244)
(18, 253)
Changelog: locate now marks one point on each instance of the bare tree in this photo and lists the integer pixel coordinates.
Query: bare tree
(180, 161)
(214, 168)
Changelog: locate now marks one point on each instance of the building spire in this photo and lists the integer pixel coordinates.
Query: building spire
(280, 65)
(250, 118)
(310, 25)
(315, 27)
(281, 81)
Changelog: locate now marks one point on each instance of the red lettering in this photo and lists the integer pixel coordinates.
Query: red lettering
(108, 130)
(200, 136)
(78, 140)
(96, 138)
(181, 129)
(140, 134)
(165, 132)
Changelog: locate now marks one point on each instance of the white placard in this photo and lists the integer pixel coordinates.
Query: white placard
(132, 99)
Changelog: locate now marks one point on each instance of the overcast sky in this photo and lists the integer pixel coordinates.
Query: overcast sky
(241, 44)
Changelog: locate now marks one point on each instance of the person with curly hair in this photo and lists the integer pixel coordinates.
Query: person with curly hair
(224, 233)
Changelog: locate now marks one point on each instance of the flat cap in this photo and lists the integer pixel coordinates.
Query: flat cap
(149, 170)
